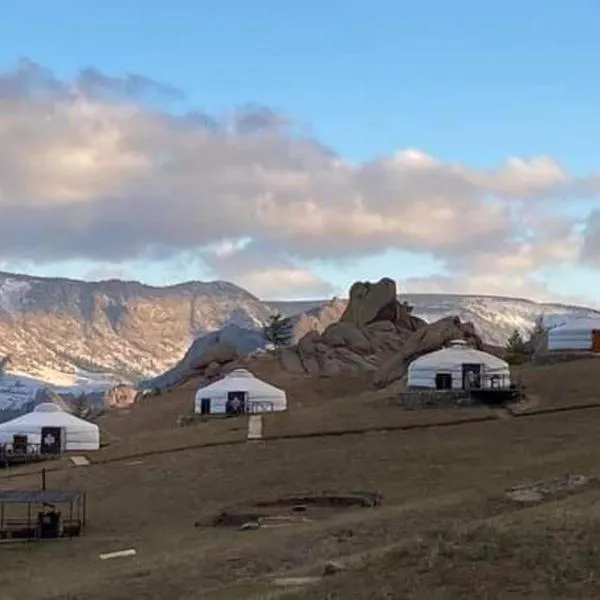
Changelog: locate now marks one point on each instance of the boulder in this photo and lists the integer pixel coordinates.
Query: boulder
(213, 370)
(317, 319)
(378, 302)
(220, 353)
(347, 335)
(369, 300)
(311, 364)
(120, 396)
(306, 345)
(290, 361)
(330, 367)
(204, 352)
(357, 362)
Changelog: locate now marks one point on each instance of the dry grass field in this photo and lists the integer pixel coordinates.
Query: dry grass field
(445, 529)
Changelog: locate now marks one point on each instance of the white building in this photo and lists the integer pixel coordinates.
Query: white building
(48, 424)
(458, 366)
(576, 334)
(237, 393)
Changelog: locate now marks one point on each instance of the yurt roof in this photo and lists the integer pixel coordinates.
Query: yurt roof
(581, 324)
(457, 354)
(50, 415)
(242, 379)
(48, 407)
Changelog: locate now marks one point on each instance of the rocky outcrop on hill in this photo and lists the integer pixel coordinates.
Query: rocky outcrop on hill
(380, 348)
(120, 396)
(376, 302)
(376, 335)
(209, 357)
(318, 318)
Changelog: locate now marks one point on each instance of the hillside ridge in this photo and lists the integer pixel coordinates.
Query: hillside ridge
(68, 329)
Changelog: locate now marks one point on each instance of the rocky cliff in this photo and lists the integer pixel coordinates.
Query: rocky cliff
(123, 328)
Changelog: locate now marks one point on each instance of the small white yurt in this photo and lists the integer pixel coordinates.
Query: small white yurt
(48, 424)
(576, 334)
(458, 366)
(239, 392)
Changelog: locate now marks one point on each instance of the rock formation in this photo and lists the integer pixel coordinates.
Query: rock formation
(374, 302)
(373, 328)
(376, 336)
(208, 357)
(317, 319)
(120, 396)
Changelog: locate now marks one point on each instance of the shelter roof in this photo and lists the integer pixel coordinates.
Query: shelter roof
(38, 496)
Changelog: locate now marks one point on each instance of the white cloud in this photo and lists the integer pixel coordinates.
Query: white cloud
(97, 168)
(270, 276)
(510, 271)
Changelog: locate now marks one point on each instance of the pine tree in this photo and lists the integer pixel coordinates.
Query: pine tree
(516, 348)
(278, 330)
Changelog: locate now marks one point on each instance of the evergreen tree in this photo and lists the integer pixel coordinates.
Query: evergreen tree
(516, 348)
(278, 330)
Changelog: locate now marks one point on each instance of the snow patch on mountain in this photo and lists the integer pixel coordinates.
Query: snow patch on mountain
(12, 295)
(18, 389)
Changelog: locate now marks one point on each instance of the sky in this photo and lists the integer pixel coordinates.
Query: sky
(294, 148)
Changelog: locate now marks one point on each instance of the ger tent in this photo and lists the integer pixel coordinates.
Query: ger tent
(581, 334)
(75, 433)
(239, 392)
(458, 366)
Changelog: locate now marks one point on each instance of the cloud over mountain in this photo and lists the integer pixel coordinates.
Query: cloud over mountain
(100, 167)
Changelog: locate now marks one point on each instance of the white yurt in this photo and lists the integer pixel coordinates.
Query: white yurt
(458, 366)
(576, 334)
(239, 392)
(49, 423)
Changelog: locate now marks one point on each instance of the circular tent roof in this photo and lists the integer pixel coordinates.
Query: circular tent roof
(240, 373)
(583, 324)
(456, 354)
(250, 381)
(47, 407)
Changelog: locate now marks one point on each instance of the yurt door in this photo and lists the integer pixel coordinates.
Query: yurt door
(52, 438)
(596, 340)
(443, 381)
(236, 403)
(471, 376)
(20, 444)
(205, 406)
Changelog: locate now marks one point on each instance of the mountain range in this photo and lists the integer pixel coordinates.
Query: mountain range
(71, 333)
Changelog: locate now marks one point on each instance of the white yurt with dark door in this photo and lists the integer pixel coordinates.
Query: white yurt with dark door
(49, 423)
(576, 334)
(237, 393)
(458, 366)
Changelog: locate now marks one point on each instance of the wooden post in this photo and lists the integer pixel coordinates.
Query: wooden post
(43, 480)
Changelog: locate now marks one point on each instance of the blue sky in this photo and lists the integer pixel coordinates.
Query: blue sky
(463, 81)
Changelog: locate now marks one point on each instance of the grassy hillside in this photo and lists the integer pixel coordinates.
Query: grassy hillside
(445, 529)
